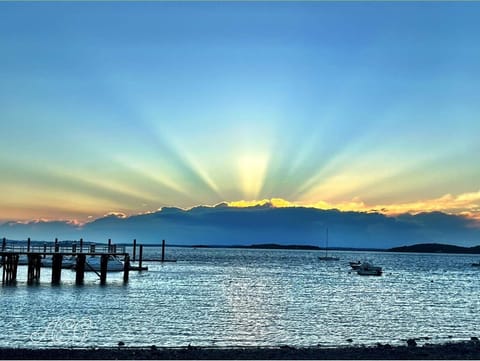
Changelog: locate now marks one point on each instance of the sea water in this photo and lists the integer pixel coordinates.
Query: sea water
(246, 297)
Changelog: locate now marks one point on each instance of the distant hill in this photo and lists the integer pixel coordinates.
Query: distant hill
(436, 248)
(276, 246)
(279, 246)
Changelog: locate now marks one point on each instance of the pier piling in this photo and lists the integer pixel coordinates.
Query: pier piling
(140, 257)
(57, 247)
(34, 263)
(10, 265)
(81, 245)
(4, 265)
(56, 268)
(28, 244)
(80, 269)
(134, 249)
(103, 268)
(4, 244)
(126, 268)
(163, 250)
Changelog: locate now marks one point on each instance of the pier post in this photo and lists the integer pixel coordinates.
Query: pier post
(80, 269)
(134, 249)
(163, 250)
(7, 269)
(140, 257)
(38, 265)
(10, 269)
(31, 268)
(34, 262)
(44, 249)
(114, 248)
(103, 268)
(28, 244)
(126, 268)
(109, 245)
(4, 244)
(4, 263)
(56, 268)
(15, 267)
(56, 245)
(92, 248)
(81, 245)
(74, 247)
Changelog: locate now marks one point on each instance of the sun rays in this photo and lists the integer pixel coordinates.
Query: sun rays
(135, 120)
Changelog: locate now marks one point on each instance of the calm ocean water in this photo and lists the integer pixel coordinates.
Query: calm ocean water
(233, 297)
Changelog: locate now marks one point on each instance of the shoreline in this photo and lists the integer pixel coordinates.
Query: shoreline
(464, 350)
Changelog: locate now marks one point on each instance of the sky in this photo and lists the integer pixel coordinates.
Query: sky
(133, 106)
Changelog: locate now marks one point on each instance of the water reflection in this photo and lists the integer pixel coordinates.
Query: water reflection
(253, 297)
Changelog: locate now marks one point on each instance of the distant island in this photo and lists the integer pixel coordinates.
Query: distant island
(280, 246)
(436, 248)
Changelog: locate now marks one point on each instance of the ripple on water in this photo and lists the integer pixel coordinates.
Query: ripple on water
(228, 297)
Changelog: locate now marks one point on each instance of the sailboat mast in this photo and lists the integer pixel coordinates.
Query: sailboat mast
(326, 243)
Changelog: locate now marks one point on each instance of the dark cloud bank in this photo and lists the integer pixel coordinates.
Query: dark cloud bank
(223, 225)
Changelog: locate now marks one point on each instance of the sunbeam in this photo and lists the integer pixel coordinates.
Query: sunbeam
(134, 117)
(251, 172)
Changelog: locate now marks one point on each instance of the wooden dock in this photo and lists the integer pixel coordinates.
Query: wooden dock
(10, 255)
(35, 253)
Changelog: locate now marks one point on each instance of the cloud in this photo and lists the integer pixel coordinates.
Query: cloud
(465, 204)
(261, 223)
(116, 214)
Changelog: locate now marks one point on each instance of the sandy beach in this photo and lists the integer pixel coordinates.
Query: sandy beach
(468, 350)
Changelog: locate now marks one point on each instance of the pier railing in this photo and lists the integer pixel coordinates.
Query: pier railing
(61, 247)
(51, 248)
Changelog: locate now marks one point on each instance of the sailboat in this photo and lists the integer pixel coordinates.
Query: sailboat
(327, 257)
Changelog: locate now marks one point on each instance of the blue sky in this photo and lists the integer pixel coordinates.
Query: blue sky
(129, 107)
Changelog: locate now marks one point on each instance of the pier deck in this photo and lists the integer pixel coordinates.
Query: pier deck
(10, 254)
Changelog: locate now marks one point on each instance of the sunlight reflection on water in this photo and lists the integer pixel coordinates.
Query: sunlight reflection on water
(227, 297)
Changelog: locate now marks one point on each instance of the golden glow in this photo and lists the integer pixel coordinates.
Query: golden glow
(344, 177)
(466, 204)
(275, 202)
(252, 169)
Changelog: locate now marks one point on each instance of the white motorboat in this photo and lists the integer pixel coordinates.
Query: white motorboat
(67, 262)
(22, 260)
(367, 269)
(355, 264)
(93, 264)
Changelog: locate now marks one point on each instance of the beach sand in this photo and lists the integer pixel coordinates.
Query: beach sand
(468, 350)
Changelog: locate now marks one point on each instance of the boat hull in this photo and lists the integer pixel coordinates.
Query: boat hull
(93, 265)
(328, 258)
(355, 265)
(369, 272)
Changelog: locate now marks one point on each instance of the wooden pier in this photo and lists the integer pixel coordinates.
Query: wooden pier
(35, 254)
(10, 255)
